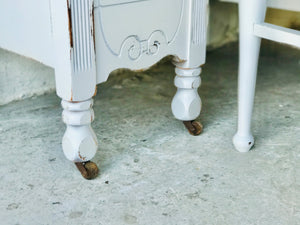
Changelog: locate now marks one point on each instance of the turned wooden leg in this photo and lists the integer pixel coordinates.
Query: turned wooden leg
(250, 12)
(80, 142)
(186, 104)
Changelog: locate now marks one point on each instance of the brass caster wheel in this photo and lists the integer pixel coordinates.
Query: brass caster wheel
(88, 170)
(194, 127)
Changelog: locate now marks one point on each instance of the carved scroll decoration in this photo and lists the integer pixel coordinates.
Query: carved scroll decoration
(135, 48)
(134, 45)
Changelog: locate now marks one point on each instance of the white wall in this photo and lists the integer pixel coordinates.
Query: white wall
(21, 77)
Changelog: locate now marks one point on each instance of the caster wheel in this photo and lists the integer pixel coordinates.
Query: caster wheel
(88, 170)
(194, 127)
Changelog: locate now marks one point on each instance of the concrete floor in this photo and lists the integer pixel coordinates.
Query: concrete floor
(152, 170)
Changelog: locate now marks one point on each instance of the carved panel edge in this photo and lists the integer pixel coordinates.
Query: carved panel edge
(199, 21)
(82, 34)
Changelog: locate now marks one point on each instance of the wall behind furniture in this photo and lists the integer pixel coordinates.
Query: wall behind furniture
(21, 77)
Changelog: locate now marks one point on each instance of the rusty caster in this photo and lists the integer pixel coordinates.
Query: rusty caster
(88, 170)
(194, 127)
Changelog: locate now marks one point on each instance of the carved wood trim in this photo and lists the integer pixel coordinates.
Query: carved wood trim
(81, 13)
(199, 21)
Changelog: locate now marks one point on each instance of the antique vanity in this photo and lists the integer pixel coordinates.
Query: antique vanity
(85, 40)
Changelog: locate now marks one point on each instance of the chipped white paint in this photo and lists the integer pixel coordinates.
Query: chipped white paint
(75, 69)
(88, 39)
(79, 142)
(252, 29)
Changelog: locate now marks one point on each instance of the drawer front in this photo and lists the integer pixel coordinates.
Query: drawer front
(138, 19)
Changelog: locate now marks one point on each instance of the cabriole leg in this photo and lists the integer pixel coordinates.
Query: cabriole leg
(186, 104)
(250, 12)
(80, 142)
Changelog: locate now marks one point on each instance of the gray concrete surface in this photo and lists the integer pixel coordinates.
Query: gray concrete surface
(152, 170)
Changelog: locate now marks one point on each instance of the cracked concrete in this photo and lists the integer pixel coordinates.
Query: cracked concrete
(152, 170)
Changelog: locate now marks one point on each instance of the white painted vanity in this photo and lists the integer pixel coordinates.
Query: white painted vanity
(85, 40)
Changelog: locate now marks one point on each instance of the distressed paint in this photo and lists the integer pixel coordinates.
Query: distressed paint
(75, 52)
(79, 141)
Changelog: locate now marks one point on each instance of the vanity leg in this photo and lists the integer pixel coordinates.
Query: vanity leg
(186, 104)
(80, 142)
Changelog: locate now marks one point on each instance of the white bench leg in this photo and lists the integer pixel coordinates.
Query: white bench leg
(250, 12)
